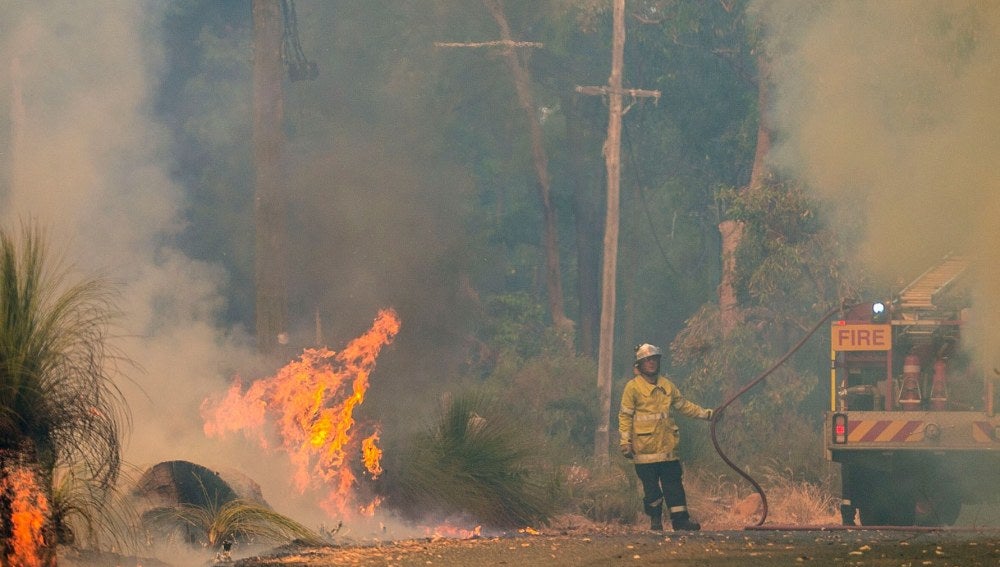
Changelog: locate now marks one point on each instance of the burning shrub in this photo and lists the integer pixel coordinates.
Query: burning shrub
(60, 404)
(477, 460)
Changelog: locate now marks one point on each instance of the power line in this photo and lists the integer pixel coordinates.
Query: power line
(645, 203)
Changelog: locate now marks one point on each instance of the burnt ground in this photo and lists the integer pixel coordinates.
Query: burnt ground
(855, 547)
(600, 547)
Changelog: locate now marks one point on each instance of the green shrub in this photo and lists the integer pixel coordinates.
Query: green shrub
(477, 460)
(557, 395)
(612, 495)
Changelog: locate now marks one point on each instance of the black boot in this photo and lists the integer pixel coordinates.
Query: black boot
(683, 523)
(656, 520)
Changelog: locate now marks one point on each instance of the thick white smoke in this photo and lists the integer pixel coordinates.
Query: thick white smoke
(888, 109)
(89, 165)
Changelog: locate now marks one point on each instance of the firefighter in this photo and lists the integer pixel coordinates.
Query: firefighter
(649, 438)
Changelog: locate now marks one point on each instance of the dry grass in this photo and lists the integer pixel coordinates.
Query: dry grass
(719, 502)
(726, 503)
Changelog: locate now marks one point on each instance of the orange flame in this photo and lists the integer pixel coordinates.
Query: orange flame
(311, 409)
(28, 507)
(372, 455)
(369, 510)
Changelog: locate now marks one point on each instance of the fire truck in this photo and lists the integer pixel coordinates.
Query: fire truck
(911, 418)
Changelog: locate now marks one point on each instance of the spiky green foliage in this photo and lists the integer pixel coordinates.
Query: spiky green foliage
(58, 398)
(59, 403)
(479, 461)
(233, 520)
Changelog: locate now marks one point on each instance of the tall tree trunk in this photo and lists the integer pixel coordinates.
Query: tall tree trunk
(269, 161)
(612, 160)
(729, 312)
(586, 214)
(732, 230)
(522, 85)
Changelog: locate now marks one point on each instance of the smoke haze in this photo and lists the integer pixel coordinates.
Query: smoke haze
(89, 165)
(888, 111)
(92, 162)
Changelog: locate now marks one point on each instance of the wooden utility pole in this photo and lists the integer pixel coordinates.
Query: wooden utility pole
(612, 160)
(269, 163)
(522, 82)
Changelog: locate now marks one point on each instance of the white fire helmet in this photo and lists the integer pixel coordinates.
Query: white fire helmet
(646, 350)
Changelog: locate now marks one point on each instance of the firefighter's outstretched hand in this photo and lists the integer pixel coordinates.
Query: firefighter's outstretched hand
(626, 449)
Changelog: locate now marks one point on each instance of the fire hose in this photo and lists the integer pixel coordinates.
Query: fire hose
(717, 412)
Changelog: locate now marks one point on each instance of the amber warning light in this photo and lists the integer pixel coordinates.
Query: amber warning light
(839, 429)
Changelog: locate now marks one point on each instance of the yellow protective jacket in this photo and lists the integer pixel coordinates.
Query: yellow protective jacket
(645, 420)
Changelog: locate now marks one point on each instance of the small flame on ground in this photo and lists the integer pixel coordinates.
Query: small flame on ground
(451, 532)
(310, 405)
(28, 507)
(529, 530)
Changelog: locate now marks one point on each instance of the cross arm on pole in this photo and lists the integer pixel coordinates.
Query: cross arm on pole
(496, 43)
(634, 93)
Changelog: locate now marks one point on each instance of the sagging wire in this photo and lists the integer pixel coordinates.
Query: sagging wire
(718, 412)
(642, 195)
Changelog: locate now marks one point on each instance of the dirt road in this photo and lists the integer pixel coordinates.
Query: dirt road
(966, 548)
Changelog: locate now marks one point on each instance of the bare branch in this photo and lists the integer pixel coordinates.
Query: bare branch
(634, 93)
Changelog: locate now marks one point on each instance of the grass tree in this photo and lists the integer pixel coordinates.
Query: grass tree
(194, 505)
(217, 525)
(95, 517)
(480, 461)
(59, 404)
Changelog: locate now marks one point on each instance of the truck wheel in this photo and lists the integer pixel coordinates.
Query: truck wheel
(939, 508)
(895, 511)
(884, 501)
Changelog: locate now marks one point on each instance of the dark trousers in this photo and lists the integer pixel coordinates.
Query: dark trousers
(662, 481)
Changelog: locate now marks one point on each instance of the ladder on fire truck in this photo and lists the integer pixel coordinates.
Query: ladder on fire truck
(920, 294)
(918, 298)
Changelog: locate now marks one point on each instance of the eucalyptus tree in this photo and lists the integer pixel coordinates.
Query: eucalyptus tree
(59, 404)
